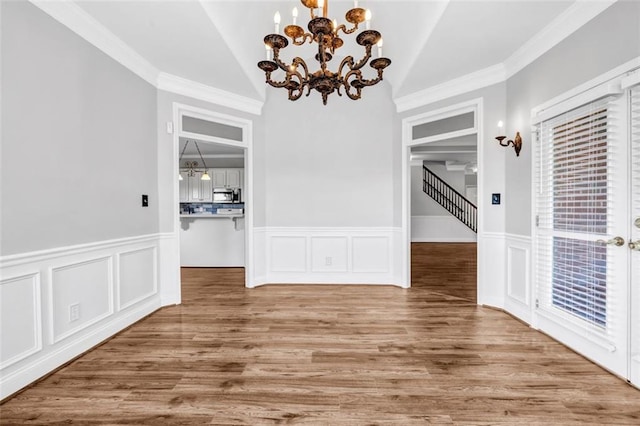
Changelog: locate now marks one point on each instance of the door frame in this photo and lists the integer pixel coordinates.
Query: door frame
(474, 105)
(180, 110)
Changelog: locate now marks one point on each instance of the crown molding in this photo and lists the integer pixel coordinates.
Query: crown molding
(195, 90)
(84, 25)
(458, 86)
(80, 22)
(565, 24)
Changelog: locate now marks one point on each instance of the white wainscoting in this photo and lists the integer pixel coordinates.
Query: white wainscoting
(491, 269)
(111, 284)
(327, 255)
(440, 229)
(518, 296)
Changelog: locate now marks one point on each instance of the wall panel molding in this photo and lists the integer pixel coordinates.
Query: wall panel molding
(137, 279)
(20, 306)
(518, 294)
(42, 285)
(327, 255)
(88, 284)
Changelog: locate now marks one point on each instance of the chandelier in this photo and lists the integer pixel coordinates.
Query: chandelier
(326, 33)
(192, 165)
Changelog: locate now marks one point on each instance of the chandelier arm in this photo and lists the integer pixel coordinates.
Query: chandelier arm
(274, 83)
(344, 29)
(362, 62)
(299, 61)
(347, 86)
(303, 39)
(348, 61)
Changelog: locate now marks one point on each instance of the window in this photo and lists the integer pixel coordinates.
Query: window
(573, 203)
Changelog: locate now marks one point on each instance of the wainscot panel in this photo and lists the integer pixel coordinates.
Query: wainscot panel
(137, 276)
(79, 287)
(327, 255)
(518, 295)
(84, 288)
(19, 318)
(491, 269)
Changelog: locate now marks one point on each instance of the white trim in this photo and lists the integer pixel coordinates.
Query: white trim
(37, 314)
(631, 79)
(180, 110)
(55, 338)
(43, 255)
(521, 307)
(458, 86)
(42, 365)
(444, 136)
(153, 292)
(182, 86)
(442, 240)
(80, 22)
(565, 24)
(357, 255)
(580, 94)
(56, 349)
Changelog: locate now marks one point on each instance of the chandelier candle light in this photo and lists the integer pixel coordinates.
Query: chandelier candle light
(325, 33)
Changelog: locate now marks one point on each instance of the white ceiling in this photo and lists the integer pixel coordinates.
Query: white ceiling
(216, 44)
(219, 42)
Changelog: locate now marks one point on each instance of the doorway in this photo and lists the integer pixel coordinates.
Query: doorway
(441, 174)
(224, 199)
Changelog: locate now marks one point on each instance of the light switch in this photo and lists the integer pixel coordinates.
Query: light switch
(145, 200)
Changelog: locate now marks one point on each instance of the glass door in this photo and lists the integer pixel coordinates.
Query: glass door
(581, 254)
(634, 245)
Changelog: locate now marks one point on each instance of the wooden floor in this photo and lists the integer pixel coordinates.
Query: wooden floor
(331, 355)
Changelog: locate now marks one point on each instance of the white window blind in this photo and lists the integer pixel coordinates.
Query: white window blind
(573, 207)
(635, 208)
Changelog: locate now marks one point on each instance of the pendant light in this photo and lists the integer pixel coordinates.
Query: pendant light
(193, 164)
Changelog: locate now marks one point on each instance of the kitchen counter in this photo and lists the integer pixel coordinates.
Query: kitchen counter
(207, 242)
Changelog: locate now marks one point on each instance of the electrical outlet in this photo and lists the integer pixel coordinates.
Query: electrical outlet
(74, 312)
(328, 260)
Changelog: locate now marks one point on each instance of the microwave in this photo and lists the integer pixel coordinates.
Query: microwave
(226, 195)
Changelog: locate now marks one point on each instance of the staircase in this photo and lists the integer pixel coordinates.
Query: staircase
(455, 203)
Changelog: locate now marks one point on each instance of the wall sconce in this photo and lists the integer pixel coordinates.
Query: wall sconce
(516, 142)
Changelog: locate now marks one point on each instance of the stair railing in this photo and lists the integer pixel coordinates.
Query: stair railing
(454, 202)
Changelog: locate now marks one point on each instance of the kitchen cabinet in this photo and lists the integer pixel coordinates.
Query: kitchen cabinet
(227, 178)
(219, 178)
(193, 189)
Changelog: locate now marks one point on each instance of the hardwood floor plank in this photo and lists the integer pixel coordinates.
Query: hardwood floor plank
(331, 355)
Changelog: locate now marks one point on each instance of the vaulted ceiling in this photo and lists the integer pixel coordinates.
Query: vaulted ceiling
(209, 49)
(218, 43)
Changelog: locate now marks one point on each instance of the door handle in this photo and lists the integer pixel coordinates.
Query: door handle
(615, 241)
(634, 245)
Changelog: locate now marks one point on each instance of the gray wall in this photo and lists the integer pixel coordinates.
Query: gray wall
(336, 166)
(78, 139)
(609, 40)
